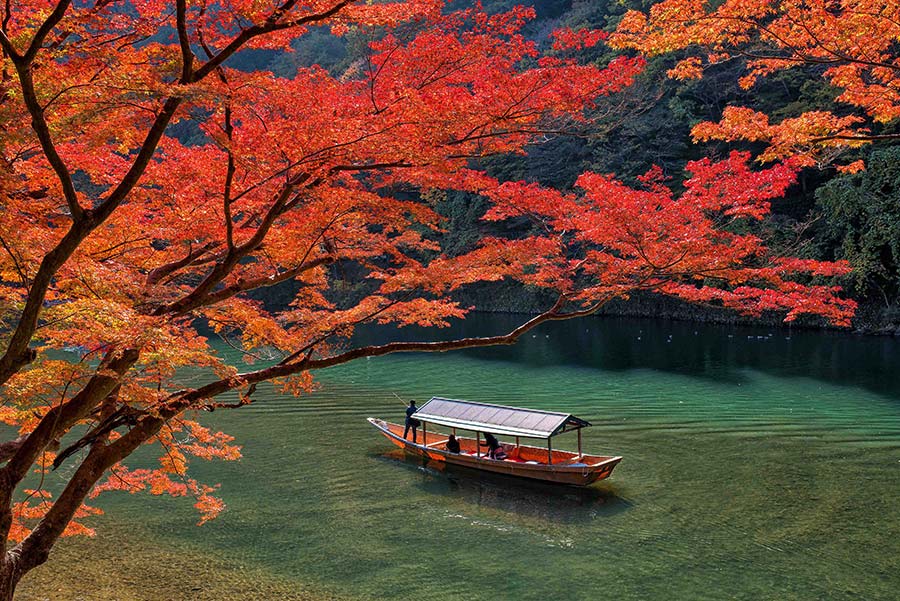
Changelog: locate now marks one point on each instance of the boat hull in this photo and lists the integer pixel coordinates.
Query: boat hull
(567, 468)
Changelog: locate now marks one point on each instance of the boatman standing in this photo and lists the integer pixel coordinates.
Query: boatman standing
(411, 422)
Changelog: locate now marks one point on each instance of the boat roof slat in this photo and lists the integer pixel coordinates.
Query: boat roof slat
(516, 420)
(498, 419)
(455, 411)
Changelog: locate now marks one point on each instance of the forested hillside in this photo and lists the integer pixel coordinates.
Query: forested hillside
(827, 215)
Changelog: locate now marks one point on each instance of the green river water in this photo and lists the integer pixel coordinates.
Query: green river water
(758, 464)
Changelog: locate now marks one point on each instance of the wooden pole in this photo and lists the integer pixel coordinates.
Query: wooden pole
(478, 444)
(425, 433)
(579, 443)
(549, 452)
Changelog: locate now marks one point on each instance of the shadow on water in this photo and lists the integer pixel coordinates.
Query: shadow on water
(720, 352)
(554, 502)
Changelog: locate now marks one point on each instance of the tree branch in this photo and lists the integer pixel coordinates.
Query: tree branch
(184, 42)
(244, 285)
(232, 257)
(862, 137)
(20, 269)
(11, 447)
(42, 129)
(17, 353)
(102, 457)
(7, 45)
(35, 549)
(156, 275)
(229, 180)
(44, 30)
(271, 24)
(57, 421)
(147, 149)
(185, 399)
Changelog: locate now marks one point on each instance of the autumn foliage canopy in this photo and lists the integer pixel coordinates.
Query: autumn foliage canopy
(853, 44)
(118, 237)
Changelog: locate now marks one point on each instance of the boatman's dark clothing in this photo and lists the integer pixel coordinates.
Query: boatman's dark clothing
(495, 451)
(411, 422)
(453, 445)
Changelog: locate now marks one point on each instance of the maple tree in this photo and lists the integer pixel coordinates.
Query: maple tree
(118, 238)
(852, 42)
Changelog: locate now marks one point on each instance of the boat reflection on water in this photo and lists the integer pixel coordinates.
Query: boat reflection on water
(554, 502)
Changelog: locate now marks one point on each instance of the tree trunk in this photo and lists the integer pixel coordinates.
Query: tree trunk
(10, 574)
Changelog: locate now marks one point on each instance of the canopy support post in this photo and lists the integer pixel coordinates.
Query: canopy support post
(517, 442)
(425, 433)
(478, 445)
(579, 443)
(549, 452)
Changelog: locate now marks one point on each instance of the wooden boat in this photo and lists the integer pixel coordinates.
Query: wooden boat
(537, 463)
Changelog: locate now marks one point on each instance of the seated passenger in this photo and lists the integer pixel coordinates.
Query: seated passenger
(453, 444)
(495, 451)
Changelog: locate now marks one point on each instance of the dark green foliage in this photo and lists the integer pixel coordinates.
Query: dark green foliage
(464, 226)
(317, 47)
(862, 217)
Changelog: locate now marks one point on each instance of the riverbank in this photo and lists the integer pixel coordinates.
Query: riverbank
(504, 297)
(872, 317)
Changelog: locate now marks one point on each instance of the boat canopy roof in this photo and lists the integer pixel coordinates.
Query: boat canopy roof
(497, 419)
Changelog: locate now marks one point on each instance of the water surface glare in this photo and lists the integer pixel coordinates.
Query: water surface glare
(758, 464)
